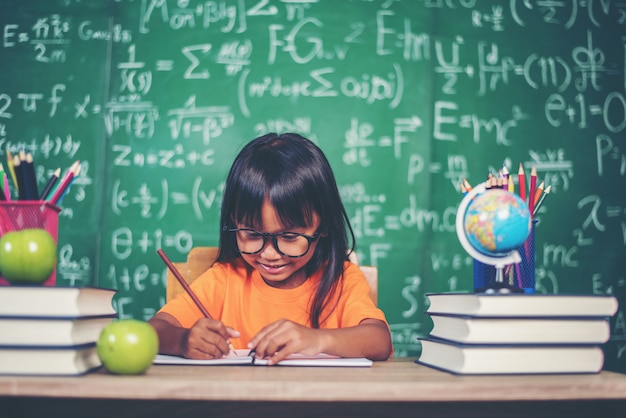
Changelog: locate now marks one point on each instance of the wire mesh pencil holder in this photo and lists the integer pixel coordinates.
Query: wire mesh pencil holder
(26, 214)
(521, 275)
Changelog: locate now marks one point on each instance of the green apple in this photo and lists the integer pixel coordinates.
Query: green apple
(127, 346)
(27, 256)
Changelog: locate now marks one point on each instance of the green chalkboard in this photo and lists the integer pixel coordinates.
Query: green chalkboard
(406, 98)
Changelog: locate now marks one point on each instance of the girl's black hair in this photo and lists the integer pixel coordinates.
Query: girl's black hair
(294, 175)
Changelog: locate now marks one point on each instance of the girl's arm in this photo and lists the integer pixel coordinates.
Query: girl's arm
(370, 339)
(206, 339)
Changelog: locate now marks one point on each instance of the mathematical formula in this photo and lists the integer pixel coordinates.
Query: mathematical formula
(157, 98)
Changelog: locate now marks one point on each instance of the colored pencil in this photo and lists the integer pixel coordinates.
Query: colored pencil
(468, 187)
(521, 180)
(511, 185)
(505, 174)
(67, 187)
(30, 178)
(539, 192)
(185, 286)
(546, 192)
(518, 271)
(65, 183)
(4, 184)
(12, 169)
(19, 185)
(183, 283)
(51, 182)
(493, 182)
(532, 189)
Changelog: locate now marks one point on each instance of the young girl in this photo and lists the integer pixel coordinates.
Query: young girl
(282, 282)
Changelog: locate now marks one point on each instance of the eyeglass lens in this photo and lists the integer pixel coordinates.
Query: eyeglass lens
(289, 244)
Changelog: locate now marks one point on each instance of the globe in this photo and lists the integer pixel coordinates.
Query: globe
(497, 222)
(492, 224)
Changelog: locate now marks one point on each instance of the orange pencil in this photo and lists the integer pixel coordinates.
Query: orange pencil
(539, 192)
(543, 197)
(521, 180)
(468, 187)
(463, 188)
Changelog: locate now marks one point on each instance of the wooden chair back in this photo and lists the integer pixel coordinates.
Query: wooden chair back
(200, 259)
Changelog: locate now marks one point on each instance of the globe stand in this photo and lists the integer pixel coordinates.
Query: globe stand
(499, 261)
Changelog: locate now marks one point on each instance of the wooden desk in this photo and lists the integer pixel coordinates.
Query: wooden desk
(395, 388)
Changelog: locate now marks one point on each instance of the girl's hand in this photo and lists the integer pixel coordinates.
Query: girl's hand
(278, 340)
(207, 339)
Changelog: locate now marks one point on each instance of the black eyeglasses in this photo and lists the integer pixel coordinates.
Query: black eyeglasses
(289, 244)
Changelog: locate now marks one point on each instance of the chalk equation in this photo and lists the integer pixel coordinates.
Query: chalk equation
(156, 97)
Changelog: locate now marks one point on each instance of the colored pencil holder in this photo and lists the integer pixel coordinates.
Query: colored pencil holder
(521, 275)
(26, 214)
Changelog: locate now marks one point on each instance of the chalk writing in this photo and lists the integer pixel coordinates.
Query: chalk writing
(156, 97)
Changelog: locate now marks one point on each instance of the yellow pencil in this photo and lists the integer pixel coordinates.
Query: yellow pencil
(12, 169)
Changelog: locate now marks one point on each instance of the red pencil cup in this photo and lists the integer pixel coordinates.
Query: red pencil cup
(26, 214)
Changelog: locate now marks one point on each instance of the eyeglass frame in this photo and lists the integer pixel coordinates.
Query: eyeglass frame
(310, 239)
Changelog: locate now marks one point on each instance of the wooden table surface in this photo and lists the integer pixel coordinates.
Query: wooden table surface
(393, 380)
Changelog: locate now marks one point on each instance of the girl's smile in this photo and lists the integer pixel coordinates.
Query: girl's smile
(277, 270)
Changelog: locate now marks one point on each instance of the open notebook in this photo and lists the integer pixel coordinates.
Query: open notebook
(241, 357)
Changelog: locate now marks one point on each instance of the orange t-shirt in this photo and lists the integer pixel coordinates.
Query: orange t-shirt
(238, 296)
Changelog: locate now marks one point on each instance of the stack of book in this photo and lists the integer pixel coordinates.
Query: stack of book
(480, 333)
(47, 330)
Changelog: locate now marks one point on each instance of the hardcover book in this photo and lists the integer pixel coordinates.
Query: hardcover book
(52, 331)
(63, 361)
(520, 330)
(510, 359)
(517, 304)
(38, 301)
